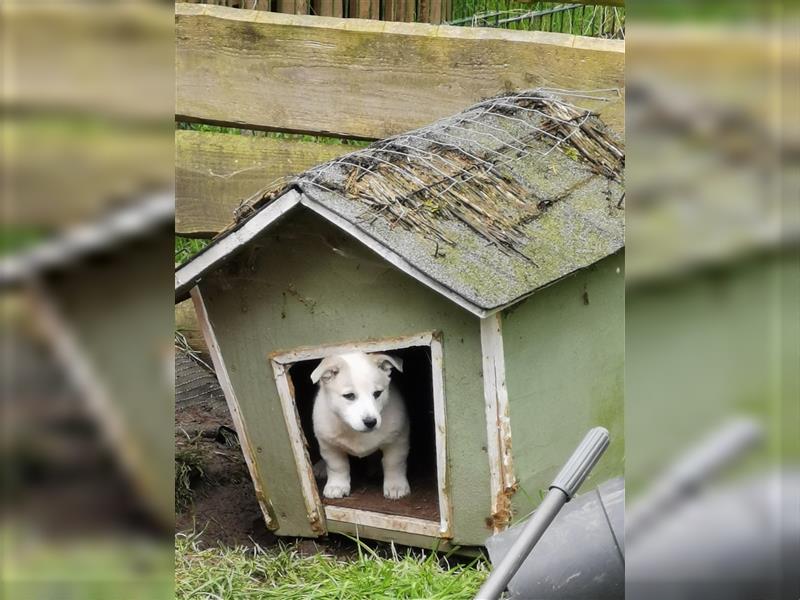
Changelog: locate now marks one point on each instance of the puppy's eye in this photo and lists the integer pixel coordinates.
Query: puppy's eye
(350, 396)
(377, 393)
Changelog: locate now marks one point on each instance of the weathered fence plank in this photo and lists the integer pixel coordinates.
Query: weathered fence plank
(186, 323)
(58, 173)
(368, 79)
(97, 59)
(214, 172)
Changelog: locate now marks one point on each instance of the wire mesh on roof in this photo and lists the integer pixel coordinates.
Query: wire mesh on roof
(474, 168)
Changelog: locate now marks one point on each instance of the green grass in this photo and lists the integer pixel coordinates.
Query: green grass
(298, 137)
(88, 569)
(284, 573)
(188, 470)
(593, 21)
(18, 239)
(186, 248)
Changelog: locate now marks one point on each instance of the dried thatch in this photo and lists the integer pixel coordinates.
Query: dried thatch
(492, 203)
(420, 179)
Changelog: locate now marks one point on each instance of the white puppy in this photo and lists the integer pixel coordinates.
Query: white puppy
(358, 411)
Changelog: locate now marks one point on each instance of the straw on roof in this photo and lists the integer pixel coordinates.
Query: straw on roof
(492, 203)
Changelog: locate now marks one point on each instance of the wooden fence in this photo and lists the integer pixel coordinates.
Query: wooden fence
(349, 79)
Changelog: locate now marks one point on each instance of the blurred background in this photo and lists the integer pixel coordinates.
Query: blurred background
(713, 302)
(87, 315)
(713, 283)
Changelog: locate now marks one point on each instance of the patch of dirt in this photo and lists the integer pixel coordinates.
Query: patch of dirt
(60, 474)
(223, 503)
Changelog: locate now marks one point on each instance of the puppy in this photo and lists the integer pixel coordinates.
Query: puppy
(357, 411)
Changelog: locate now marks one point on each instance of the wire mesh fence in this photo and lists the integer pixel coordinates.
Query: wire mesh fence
(571, 18)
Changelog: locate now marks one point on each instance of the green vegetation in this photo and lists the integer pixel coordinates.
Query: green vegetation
(594, 21)
(188, 470)
(186, 248)
(299, 137)
(90, 569)
(284, 573)
(17, 239)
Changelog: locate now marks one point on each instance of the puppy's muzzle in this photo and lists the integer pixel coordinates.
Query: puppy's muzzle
(370, 422)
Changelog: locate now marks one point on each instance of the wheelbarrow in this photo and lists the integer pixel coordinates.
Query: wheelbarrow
(585, 522)
(583, 555)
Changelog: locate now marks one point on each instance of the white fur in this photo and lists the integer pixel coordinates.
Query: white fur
(339, 421)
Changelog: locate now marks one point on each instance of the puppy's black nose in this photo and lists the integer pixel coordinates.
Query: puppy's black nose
(370, 422)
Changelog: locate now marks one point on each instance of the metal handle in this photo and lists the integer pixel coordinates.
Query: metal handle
(564, 486)
(582, 461)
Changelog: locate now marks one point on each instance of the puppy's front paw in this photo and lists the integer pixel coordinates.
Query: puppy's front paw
(396, 488)
(334, 489)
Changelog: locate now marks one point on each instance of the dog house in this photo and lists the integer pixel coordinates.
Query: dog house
(485, 251)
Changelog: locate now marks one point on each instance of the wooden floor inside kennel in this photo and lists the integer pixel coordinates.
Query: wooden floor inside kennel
(367, 494)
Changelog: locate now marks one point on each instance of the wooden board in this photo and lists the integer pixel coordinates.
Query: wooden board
(90, 58)
(368, 79)
(186, 323)
(60, 171)
(214, 172)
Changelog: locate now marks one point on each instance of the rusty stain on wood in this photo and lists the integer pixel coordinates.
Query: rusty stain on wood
(501, 517)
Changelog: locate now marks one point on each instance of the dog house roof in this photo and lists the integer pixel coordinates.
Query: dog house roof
(485, 207)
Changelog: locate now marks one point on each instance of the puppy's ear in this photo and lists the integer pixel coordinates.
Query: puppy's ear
(386, 362)
(327, 369)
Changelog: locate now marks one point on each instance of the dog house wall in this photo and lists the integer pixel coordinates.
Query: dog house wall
(306, 283)
(564, 354)
(555, 360)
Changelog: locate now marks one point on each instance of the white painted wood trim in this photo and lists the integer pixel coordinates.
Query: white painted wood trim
(378, 345)
(390, 256)
(314, 509)
(233, 405)
(280, 365)
(191, 273)
(440, 422)
(368, 518)
(498, 424)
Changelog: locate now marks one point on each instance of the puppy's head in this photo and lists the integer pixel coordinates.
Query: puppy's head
(357, 386)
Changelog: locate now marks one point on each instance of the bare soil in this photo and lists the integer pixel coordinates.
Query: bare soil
(224, 505)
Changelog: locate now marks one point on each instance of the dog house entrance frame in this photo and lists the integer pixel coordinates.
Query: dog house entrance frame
(316, 510)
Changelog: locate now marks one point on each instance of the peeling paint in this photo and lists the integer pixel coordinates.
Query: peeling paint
(501, 517)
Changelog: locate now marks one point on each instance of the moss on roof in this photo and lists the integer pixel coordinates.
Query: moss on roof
(493, 203)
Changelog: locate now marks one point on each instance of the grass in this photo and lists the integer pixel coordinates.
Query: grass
(284, 573)
(129, 568)
(186, 248)
(593, 21)
(188, 470)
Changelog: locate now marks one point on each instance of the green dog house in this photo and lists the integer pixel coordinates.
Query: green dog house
(486, 250)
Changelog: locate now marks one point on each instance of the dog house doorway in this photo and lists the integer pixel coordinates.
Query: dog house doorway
(426, 510)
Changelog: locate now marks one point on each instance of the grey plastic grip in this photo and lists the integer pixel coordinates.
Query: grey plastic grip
(582, 461)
